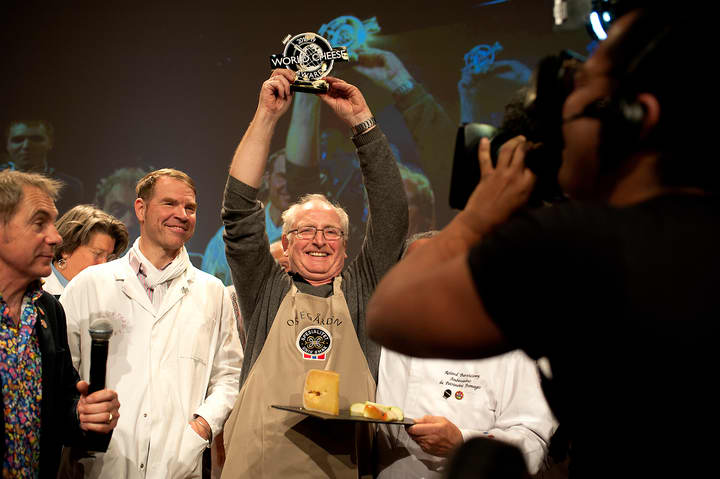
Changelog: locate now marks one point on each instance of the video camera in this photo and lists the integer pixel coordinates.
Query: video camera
(538, 117)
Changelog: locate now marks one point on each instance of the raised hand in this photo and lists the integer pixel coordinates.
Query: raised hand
(503, 189)
(275, 95)
(346, 101)
(382, 67)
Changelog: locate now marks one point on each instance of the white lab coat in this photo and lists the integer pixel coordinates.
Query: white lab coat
(165, 366)
(498, 397)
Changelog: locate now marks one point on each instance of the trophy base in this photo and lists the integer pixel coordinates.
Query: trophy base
(305, 86)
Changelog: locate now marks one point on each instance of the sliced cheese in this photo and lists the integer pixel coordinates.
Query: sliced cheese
(376, 411)
(396, 413)
(357, 409)
(322, 391)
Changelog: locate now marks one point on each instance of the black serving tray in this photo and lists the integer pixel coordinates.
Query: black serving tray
(344, 415)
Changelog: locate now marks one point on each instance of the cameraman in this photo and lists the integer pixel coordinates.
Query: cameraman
(617, 288)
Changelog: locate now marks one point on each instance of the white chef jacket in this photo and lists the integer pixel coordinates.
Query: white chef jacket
(497, 397)
(166, 367)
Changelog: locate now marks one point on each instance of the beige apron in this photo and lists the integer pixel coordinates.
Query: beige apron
(308, 333)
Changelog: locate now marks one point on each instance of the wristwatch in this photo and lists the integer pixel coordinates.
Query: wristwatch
(361, 128)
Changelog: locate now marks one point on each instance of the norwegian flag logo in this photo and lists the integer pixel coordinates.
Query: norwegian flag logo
(311, 356)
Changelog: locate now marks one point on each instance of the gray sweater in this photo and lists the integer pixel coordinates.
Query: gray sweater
(261, 284)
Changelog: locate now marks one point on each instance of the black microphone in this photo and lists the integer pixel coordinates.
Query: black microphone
(100, 332)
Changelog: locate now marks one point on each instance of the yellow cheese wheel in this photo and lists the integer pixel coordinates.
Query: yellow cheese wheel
(322, 391)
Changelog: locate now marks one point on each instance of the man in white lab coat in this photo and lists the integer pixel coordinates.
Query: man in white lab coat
(174, 354)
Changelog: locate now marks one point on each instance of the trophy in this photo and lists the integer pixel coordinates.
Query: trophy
(350, 31)
(311, 57)
(481, 58)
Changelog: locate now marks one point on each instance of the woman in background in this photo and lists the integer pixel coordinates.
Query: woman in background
(90, 236)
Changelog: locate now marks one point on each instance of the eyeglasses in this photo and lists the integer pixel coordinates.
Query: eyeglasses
(99, 254)
(330, 233)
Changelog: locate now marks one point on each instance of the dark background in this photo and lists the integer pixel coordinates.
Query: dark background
(175, 83)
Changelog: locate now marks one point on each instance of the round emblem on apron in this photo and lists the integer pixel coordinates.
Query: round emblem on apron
(314, 343)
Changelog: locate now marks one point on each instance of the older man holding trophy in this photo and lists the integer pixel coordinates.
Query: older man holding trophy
(319, 292)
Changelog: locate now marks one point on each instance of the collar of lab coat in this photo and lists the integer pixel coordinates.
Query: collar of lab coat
(131, 287)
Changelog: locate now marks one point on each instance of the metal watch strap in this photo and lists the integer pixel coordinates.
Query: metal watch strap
(361, 128)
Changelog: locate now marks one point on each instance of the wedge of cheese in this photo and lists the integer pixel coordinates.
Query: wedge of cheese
(322, 391)
(376, 411)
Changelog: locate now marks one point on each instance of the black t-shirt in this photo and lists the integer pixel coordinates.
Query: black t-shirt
(623, 302)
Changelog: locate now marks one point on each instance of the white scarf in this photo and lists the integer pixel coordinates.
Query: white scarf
(157, 277)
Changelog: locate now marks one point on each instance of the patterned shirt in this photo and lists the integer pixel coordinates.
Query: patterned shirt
(21, 374)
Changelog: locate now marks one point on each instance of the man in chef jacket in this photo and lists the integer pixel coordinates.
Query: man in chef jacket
(453, 401)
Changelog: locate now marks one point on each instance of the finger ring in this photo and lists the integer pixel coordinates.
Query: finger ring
(109, 418)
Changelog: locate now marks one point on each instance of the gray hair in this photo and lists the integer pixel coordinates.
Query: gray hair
(82, 221)
(289, 216)
(11, 190)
